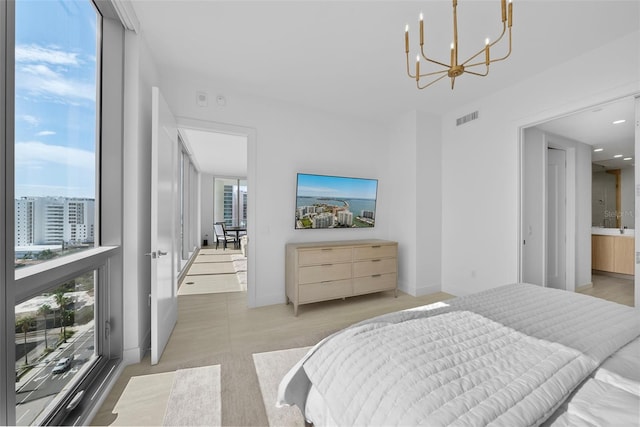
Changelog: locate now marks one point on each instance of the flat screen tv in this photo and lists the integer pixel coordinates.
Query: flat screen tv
(324, 201)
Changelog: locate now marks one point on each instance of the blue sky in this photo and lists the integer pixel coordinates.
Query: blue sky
(55, 95)
(333, 186)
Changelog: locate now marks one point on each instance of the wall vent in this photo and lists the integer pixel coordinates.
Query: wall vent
(464, 119)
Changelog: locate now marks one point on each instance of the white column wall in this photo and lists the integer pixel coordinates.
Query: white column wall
(140, 76)
(480, 160)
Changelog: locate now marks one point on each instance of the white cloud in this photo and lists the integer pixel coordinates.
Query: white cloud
(31, 120)
(46, 133)
(40, 79)
(43, 71)
(37, 154)
(35, 53)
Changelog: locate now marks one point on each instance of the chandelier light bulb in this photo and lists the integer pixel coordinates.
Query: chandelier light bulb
(486, 41)
(421, 16)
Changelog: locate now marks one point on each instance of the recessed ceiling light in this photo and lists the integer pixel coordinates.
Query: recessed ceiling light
(627, 158)
(617, 156)
(617, 122)
(597, 150)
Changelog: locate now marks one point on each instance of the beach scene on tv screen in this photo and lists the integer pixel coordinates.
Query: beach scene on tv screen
(335, 202)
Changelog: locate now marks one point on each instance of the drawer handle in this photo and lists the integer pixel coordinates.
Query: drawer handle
(377, 275)
(326, 265)
(327, 249)
(375, 247)
(326, 281)
(375, 260)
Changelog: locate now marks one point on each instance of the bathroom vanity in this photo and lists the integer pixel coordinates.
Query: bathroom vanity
(613, 250)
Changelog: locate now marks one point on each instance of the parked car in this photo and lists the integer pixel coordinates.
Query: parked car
(62, 365)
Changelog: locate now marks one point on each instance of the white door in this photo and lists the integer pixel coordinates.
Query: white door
(164, 300)
(556, 218)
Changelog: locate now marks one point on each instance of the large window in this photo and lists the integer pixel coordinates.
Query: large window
(230, 197)
(55, 345)
(59, 261)
(56, 51)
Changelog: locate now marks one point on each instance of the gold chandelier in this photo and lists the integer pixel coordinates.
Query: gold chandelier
(455, 68)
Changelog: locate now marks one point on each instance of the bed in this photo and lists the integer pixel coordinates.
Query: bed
(516, 355)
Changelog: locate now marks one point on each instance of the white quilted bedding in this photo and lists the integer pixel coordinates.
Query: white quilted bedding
(508, 356)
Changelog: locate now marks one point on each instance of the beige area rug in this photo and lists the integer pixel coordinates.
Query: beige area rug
(204, 258)
(219, 252)
(240, 266)
(271, 367)
(210, 284)
(195, 398)
(211, 268)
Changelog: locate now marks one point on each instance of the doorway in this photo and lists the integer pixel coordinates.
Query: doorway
(221, 150)
(583, 133)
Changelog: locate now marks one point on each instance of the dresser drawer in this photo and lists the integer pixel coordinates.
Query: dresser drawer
(324, 256)
(374, 266)
(325, 290)
(375, 283)
(324, 272)
(374, 251)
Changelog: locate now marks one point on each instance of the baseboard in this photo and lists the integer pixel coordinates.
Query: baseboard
(185, 270)
(427, 290)
(610, 274)
(581, 288)
(132, 356)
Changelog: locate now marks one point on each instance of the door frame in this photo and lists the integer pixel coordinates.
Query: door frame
(576, 107)
(251, 135)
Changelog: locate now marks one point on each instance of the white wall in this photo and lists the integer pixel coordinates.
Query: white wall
(140, 76)
(428, 204)
(480, 160)
(402, 179)
(290, 139)
(206, 206)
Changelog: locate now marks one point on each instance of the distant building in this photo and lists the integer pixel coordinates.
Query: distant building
(323, 220)
(54, 220)
(367, 214)
(345, 218)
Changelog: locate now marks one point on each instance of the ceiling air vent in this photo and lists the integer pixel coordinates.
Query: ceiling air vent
(464, 119)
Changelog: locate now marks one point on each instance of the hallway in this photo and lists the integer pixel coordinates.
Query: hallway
(215, 271)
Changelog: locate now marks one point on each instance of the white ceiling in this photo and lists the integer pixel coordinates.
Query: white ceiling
(347, 57)
(219, 154)
(595, 127)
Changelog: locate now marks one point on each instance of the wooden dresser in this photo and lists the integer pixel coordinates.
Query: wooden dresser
(330, 270)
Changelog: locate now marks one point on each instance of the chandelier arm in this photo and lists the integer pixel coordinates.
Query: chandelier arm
(409, 72)
(508, 53)
(432, 60)
(429, 84)
(477, 74)
(504, 29)
(433, 73)
(473, 57)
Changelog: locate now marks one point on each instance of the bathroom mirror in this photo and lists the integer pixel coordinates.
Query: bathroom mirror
(612, 196)
(609, 130)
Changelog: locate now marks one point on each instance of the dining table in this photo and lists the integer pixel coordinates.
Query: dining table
(237, 229)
